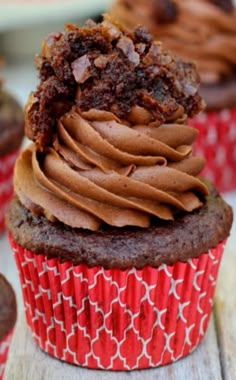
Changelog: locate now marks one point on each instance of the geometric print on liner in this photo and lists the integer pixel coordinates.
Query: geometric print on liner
(113, 319)
(216, 142)
(6, 187)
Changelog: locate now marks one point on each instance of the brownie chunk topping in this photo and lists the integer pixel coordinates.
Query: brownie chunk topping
(101, 66)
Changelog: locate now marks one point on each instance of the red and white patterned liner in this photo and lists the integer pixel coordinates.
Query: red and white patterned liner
(216, 142)
(7, 163)
(4, 348)
(117, 319)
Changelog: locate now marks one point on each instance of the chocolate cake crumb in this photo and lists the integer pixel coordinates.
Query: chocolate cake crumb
(101, 66)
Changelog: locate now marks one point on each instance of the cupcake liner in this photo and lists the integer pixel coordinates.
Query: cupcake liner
(4, 348)
(117, 319)
(6, 186)
(216, 142)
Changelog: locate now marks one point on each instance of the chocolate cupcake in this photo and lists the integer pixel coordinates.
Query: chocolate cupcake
(117, 240)
(205, 32)
(11, 135)
(7, 319)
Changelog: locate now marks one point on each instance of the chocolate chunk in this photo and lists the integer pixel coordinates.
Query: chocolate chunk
(127, 46)
(80, 69)
(141, 35)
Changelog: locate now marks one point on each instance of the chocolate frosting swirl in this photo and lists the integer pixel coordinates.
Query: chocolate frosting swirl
(201, 30)
(101, 169)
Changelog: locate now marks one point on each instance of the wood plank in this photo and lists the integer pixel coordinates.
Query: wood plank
(225, 309)
(26, 362)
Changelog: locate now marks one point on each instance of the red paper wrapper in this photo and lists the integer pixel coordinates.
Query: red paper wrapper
(6, 187)
(216, 142)
(117, 319)
(4, 348)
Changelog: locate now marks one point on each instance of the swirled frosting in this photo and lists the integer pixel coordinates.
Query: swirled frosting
(201, 31)
(101, 169)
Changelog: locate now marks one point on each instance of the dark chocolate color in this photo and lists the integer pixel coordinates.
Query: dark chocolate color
(164, 242)
(7, 307)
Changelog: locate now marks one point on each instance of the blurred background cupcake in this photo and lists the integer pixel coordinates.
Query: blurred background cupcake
(7, 320)
(11, 136)
(203, 31)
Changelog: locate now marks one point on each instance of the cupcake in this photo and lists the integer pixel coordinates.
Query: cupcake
(7, 319)
(11, 135)
(203, 31)
(116, 239)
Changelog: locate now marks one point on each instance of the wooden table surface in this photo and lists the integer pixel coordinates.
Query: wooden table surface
(214, 359)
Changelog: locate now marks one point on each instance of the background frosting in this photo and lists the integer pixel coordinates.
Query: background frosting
(201, 31)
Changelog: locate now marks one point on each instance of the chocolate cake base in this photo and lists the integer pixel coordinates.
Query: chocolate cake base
(163, 242)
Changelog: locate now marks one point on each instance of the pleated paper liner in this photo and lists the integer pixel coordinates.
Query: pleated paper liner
(117, 319)
(216, 142)
(4, 348)
(6, 186)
